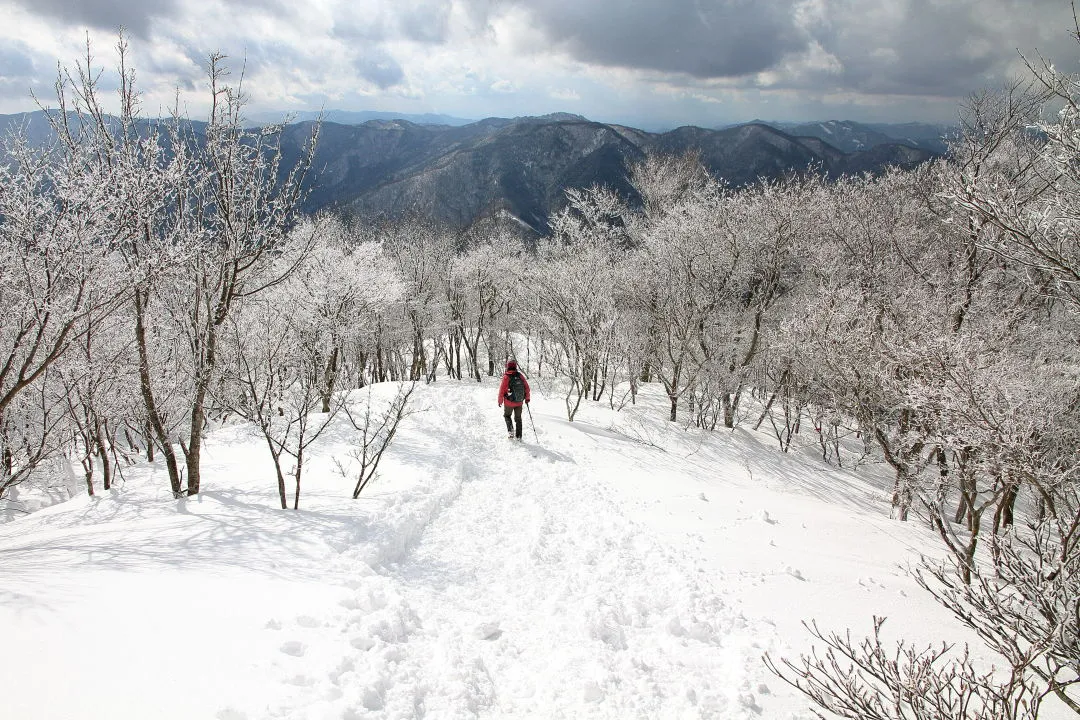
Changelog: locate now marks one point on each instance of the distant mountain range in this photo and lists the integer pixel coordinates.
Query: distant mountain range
(354, 117)
(852, 136)
(845, 135)
(523, 166)
(456, 173)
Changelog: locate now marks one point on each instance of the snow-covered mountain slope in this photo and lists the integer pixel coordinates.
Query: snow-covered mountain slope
(615, 567)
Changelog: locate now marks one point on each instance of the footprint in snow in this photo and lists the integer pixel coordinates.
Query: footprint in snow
(373, 699)
(307, 621)
(488, 631)
(748, 701)
(592, 692)
(362, 642)
(294, 648)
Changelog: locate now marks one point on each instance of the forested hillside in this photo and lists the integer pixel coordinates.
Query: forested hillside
(852, 136)
(459, 174)
(524, 166)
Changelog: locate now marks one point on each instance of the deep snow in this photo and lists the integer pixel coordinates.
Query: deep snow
(620, 567)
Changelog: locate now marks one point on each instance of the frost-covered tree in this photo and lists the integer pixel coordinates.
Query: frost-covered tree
(503, 289)
(770, 227)
(98, 380)
(479, 292)
(274, 378)
(421, 253)
(973, 383)
(689, 265)
(574, 282)
(243, 204)
(59, 240)
(192, 218)
(1018, 181)
(150, 175)
(332, 296)
(662, 181)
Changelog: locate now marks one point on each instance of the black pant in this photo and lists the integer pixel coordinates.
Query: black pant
(507, 410)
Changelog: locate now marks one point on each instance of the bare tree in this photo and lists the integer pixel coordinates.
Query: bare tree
(574, 282)
(421, 252)
(244, 205)
(59, 237)
(1023, 607)
(991, 392)
(274, 380)
(376, 432)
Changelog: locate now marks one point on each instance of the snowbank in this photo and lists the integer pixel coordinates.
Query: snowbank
(620, 567)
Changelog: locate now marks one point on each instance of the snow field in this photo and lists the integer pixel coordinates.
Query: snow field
(530, 594)
(621, 568)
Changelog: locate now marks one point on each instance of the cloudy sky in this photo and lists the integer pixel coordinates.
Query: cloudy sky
(649, 63)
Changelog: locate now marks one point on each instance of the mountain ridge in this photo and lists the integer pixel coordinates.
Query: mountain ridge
(524, 165)
(851, 136)
(387, 168)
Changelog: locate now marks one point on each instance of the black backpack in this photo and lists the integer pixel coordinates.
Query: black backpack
(515, 391)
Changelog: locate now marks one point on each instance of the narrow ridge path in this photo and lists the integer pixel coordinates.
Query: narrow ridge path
(527, 592)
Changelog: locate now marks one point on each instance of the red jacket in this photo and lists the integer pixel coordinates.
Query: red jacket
(504, 386)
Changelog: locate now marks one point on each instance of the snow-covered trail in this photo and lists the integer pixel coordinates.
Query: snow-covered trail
(529, 593)
(624, 567)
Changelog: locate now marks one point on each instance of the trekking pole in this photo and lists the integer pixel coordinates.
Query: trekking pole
(532, 423)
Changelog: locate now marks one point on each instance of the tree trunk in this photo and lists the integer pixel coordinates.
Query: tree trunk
(282, 496)
(473, 351)
(966, 511)
(729, 410)
(296, 474)
(88, 469)
(772, 398)
(329, 379)
(149, 434)
(457, 342)
(102, 445)
(961, 506)
(153, 415)
(361, 375)
(969, 550)
(901, 497)
(1003, 515)
(203, 377)
(419, 359)
(194, 450)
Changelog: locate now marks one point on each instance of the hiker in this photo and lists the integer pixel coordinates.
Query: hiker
(513, 392)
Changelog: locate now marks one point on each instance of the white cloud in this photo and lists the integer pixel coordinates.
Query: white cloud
(504, 86)
(657, 59)
(565, 94)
